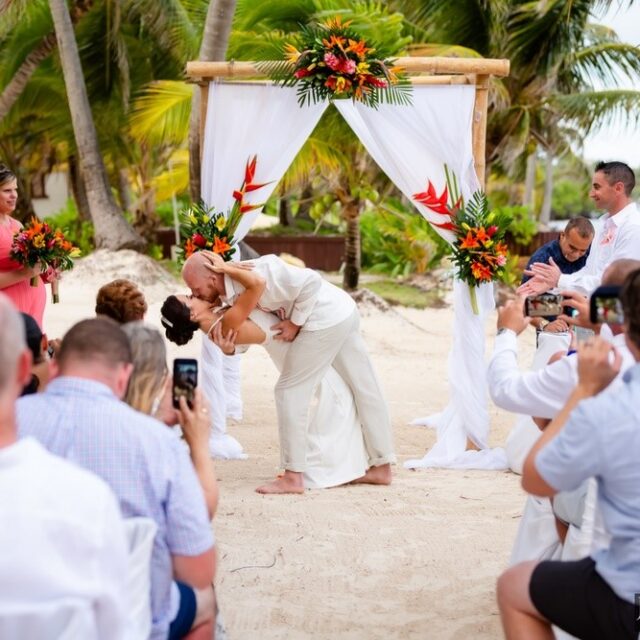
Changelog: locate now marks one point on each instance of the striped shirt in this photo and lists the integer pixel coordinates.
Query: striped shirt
(142, 460)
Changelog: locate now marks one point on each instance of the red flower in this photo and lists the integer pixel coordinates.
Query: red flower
(245, 208)
(302, 73)
(430, 199)
(480, 271)
(199, 240)
(492, 230)
(238, 195)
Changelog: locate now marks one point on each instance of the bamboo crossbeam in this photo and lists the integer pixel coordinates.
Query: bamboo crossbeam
(197, 70)
(417, 80)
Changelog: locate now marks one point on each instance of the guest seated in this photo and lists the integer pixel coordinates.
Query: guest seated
(40, 363)
(597, 433)
(61, 531)
(122, 301)
(569, 252)
(80, 417)
(149, 391)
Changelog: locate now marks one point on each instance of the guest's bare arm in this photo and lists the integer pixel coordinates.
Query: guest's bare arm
(9, 278)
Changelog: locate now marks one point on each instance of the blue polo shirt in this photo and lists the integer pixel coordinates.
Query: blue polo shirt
(602, 438)
(552, 250)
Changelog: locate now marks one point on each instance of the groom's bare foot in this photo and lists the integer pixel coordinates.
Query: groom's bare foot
(376, 475)
(288, 482)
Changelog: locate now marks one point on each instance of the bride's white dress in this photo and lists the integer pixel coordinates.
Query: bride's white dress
(336, 453)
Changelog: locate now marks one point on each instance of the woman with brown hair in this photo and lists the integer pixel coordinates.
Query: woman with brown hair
(122, 301)
(14, 278)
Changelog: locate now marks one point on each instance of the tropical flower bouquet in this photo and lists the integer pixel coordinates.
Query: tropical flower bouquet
(478, 249)
(37, 243)
(332, 61)
(204, 228)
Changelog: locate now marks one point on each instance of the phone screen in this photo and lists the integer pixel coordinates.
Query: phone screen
(544, 305)
(185, 380)
(606, 307)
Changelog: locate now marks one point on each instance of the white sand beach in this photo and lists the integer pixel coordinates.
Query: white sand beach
(418, 559)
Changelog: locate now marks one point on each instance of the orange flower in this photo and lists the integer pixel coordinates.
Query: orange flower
(334, 41)
(291, 53)
(480, 271)
(189, 248)
(358, 47)
(220, 245)
(336, 23)
(482, 235)
(470, 242)
(502, 248)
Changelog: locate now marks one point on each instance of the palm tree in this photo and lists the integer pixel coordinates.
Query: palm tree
(112, 231)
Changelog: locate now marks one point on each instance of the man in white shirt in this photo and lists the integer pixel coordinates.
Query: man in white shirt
(617, 234)
(543, 392)
(322, 323)
(62, 535)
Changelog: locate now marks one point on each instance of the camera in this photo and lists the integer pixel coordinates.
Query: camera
(544, 305)
(605, 306)
(185, 380)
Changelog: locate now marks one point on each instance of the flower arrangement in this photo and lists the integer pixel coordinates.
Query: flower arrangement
(332, 61)
(204, 228)
(37, 243)
(478, 249)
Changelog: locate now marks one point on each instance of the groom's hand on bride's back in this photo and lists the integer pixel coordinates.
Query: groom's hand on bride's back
(226, 343)
(287, 330)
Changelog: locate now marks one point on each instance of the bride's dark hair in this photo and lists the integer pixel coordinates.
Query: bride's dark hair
(176, 320)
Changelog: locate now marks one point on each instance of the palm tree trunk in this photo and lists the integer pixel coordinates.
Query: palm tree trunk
(545, 212)
(530, 182)
(351, 275)
(78, 189)
(112, 231)
(22, 76)
(284, 211)
(215, 39)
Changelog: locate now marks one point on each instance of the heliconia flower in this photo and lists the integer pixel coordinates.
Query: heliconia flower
(501, 261)
(301, 73)
(480, 271)
(220, 245)
(245, 208)
(238, 195)
(376, 82)
(432, 200)
(199, 240)
(250, 170)
(492, 230)
(470, 242)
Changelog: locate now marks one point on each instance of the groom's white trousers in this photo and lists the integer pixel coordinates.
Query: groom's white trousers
(309, 357)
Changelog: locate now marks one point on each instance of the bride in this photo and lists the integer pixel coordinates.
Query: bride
(336, 452)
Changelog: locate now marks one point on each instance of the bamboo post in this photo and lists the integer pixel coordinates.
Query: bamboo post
(204, 102)
(479, 129)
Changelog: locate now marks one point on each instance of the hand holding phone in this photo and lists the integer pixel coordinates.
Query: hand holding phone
(185, 380)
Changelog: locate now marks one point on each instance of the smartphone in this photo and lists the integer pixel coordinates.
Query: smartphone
(606, 307)
(543, 305)
(185, 380)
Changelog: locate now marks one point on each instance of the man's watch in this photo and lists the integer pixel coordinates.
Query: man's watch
(502, 330)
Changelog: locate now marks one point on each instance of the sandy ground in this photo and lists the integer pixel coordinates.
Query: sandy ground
(418, 559)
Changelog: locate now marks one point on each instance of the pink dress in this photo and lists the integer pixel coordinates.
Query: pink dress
(26, 298)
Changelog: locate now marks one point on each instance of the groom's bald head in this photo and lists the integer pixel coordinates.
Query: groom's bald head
(203, 283)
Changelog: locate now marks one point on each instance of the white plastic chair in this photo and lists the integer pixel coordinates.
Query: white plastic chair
(140, 536)
(62, 619)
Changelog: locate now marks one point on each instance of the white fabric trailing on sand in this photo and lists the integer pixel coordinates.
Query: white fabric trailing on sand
(412, 144)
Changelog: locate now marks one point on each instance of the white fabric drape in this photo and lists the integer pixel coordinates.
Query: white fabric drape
(244, 120)
(411, 144)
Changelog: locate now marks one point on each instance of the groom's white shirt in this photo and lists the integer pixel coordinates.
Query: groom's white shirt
(301, 295)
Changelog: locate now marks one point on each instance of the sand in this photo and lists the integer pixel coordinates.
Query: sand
(418, 559)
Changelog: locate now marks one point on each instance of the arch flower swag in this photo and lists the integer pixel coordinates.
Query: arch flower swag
(410, 143)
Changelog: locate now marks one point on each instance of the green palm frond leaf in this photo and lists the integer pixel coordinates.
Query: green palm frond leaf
(160, 114)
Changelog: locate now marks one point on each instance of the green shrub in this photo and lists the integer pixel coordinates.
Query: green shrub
(397, 241)
(523, 227)
(80, 232)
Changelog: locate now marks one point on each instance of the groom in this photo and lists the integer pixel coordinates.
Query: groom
(322, 323)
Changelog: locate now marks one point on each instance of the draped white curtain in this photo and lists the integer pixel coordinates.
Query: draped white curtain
(244, 120)
(411, 144)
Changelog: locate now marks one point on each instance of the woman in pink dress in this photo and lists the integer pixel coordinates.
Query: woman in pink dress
(14, 278)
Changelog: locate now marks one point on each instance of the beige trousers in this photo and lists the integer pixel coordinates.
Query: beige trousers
(308, 359)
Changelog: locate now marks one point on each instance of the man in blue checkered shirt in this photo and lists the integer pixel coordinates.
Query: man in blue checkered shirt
(81, 418)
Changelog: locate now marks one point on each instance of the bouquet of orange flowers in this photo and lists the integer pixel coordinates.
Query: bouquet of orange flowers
(204, 228)
(331, 60)
(478, 250)
(37, 243)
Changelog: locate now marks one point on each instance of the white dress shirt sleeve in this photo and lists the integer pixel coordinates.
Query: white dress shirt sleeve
(540, 393)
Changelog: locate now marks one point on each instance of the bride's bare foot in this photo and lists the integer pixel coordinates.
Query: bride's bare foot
(288, 482)
(376, 475)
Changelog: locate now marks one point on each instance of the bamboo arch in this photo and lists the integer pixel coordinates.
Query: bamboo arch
(421, 70)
